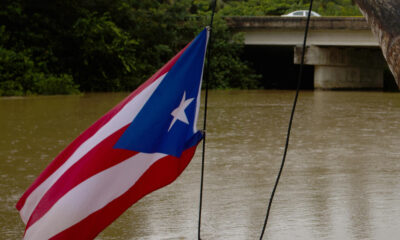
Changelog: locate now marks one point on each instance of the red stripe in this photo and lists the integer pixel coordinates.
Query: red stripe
(67, 152)
(160, 174)
(100, 158)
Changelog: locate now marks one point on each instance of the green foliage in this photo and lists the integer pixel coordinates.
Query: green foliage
(60, 46)
(227, 70)
(50, 84)
(104, 53)
(19, 76)
(280, 7)
(258, 7)
(337, 8)
(15, 69)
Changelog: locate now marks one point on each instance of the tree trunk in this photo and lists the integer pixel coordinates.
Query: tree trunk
(384, 19)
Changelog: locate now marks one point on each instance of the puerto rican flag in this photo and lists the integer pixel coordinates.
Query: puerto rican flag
(142, 144)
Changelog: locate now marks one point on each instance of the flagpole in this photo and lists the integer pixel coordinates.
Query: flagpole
(214, 3)
(300, 76)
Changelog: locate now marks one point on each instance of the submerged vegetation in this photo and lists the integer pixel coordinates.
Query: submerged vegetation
(67, 46)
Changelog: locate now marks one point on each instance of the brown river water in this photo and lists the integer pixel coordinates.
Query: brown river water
(341, 179)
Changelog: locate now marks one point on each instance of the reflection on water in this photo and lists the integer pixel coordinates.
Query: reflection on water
(341, 179)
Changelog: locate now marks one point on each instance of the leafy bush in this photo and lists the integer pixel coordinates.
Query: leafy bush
(15, 71)
(51, 84)
(10, 88)
(18, 76)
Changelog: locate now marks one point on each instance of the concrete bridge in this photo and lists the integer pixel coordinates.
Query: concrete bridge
(343, 50)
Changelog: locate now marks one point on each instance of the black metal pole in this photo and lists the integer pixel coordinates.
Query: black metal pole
(290, 121)
(207, 78)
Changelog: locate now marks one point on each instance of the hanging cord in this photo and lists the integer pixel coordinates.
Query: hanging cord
(205, 116)
(291, 119)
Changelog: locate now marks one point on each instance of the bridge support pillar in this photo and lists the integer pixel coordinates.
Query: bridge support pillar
(344, 67)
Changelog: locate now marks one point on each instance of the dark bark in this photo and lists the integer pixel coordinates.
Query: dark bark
(384, 18)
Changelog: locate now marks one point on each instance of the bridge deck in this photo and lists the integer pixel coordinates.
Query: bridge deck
(324, 31)
(316, 23)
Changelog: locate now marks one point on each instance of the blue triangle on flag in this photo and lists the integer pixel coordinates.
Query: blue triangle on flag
(166, 122)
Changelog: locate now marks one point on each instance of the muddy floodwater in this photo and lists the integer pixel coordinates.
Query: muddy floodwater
(341, 179)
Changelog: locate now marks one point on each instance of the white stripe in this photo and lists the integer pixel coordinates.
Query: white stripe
(121, 119)
(91, 195)
(201, 80)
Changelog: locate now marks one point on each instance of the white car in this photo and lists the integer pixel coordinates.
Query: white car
(301, 13)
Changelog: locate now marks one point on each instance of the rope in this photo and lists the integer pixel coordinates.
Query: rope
(290, 121)
(205, 119)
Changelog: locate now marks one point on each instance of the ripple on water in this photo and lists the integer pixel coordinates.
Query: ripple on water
(340, 180)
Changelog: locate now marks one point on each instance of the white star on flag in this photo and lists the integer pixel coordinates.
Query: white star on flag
(179, 112)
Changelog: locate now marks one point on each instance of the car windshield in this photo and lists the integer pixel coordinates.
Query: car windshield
(301, 13)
